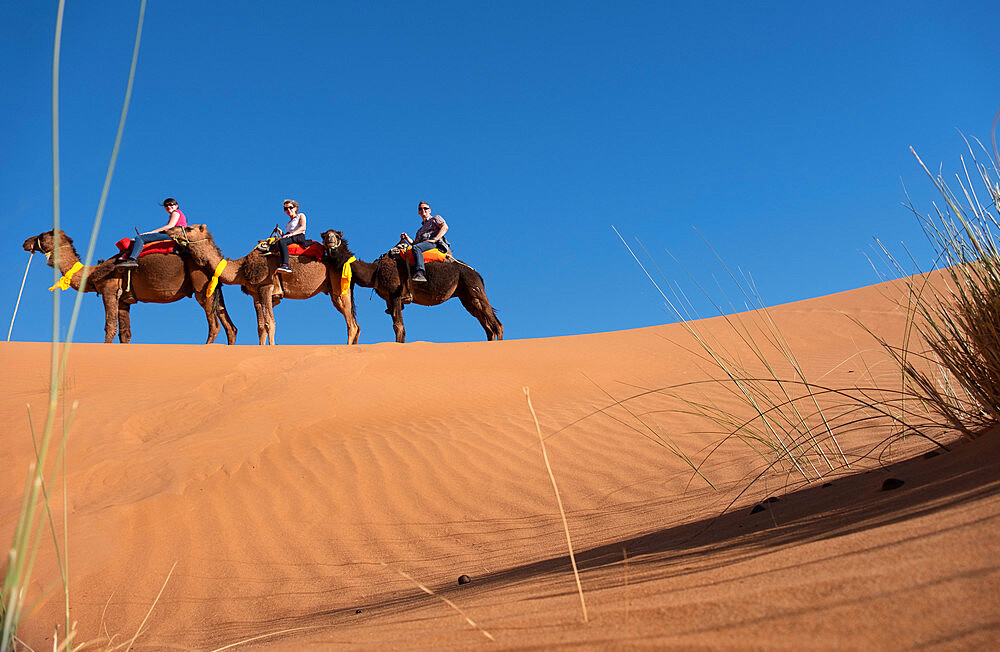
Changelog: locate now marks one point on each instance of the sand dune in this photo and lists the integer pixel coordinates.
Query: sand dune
(299, 489)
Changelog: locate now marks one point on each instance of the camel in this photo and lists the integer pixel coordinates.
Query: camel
(444, 281)
(256, 274)
(160, 278)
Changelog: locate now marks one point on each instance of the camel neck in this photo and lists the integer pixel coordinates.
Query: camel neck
(364, 273)
(67, 256)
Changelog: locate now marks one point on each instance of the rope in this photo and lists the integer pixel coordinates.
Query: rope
(11, 329)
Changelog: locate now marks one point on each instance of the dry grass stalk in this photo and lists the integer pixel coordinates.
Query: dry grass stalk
(562, 512)
(263, 636)
(445, 600)
(150, 611)
(26, 538)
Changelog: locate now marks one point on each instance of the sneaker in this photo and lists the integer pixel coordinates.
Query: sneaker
(127, 263)
(284, 269)
(419, 277)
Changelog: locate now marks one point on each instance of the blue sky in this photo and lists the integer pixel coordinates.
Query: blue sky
(776, 131)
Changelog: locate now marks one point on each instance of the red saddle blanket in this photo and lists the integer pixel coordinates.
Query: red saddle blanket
(430, 256)
(158, 247)
(313, 250)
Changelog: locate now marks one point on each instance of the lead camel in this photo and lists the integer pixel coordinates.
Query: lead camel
(160, 278)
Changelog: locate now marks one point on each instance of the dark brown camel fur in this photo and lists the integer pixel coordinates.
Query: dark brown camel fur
(444, 281)
(160, 278)
(257, 274)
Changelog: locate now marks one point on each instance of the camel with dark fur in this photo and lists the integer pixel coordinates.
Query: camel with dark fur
(256, 274)
(444, 281)
(160, 278)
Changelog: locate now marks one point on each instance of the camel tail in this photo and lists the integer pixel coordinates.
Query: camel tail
(480, 304)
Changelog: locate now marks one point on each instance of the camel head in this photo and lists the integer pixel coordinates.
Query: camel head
(186, 235)
(195, 239)
(332, 239)
(45, 243)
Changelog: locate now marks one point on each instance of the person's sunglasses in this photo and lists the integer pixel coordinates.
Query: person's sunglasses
(288, 208)
(425, 208)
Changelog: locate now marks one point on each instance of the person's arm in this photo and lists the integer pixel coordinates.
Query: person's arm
(442, 231)
(406, 237)
(174, 216)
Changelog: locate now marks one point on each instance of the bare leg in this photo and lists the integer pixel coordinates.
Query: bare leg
(110, 296)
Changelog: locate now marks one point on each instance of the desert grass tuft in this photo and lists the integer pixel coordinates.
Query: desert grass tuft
(948, 363)
(957, 375)
(772, 383)
(562, 512)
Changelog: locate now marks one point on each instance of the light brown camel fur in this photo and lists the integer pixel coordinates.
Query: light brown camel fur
(389, 277)
(257, 274)
(160, 278)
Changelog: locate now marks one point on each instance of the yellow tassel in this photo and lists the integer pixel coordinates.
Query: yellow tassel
(64, 282)
(215, 277)
(345, 276)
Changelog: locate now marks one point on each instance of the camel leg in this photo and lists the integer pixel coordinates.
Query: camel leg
(261, 321)
(344, 304)
(124, 322)
(111, 310)
(395, 308)
(213, 321)
(480, 308)
(270, 324)
(227, 322)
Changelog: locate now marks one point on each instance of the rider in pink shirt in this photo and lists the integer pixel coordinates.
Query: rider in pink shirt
(176, 219)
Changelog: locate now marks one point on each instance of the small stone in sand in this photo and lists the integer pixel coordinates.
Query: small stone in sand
(357, 611)
(464, 579)
(757, 508)
(892, 483)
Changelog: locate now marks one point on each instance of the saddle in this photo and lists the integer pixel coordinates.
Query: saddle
(158, 247)
(430, 256)
(312, 249)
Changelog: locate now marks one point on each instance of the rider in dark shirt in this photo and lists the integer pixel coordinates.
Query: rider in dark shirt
(431, 230)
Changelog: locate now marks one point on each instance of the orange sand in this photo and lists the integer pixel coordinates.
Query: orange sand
(294, 486)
